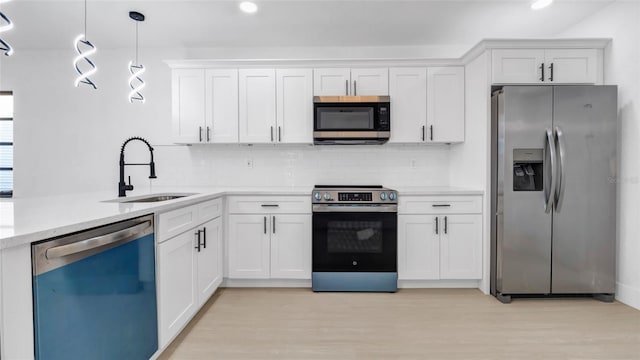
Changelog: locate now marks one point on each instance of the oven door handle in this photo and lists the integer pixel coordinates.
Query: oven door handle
(355, 208)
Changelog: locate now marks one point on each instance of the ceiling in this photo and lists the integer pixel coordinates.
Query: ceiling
(54, 24)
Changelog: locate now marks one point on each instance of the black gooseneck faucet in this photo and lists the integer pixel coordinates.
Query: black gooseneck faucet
(122, 187)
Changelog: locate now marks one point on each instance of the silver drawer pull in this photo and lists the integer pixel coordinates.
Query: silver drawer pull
(269, 205)
(441, 205)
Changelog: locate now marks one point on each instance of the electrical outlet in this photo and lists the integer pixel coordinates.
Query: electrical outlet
(249, 162)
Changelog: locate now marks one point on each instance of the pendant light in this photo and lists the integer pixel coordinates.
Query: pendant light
(5, 25)
(84, 48)
(135, 68)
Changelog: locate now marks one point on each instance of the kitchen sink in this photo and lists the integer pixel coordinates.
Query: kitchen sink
(151, 198)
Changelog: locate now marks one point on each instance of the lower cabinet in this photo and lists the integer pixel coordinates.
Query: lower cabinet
(189, 272)
(263, 246)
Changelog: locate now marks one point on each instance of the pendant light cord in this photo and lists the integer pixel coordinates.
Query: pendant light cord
(85, 19)
(137, 63)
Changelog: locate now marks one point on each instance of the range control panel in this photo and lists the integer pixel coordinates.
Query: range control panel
(355, 195)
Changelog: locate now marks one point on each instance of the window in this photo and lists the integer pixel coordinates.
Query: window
(6, 144)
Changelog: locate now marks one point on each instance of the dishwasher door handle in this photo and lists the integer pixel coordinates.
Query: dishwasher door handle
(96, 242)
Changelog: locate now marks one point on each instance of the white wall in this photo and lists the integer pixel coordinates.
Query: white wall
(68, 139)
(621, 22)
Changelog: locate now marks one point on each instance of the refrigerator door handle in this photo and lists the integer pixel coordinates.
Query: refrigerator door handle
(559, 192)
(550, 146)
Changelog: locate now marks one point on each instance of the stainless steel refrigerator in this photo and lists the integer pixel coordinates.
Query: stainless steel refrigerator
(553, 191)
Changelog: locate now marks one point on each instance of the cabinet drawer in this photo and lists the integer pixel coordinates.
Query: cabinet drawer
(269, 204)
(176, 222)
(209, 210)
(440, 204)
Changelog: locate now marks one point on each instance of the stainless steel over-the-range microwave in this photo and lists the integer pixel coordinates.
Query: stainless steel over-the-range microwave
(351, 120)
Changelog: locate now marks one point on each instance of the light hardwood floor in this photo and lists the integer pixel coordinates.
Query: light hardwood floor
(410, 324)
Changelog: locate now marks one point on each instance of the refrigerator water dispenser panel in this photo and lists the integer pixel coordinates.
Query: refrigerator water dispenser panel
(528, 169)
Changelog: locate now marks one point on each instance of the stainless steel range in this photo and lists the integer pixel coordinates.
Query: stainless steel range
(355, 242)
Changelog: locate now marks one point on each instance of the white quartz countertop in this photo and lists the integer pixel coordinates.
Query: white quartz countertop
(27, 220)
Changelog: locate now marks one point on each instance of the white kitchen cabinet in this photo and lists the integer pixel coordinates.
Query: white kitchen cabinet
(257, 106)
(204, 106)
(345, 81)
(294, 111)
(209, 260)
(461, 247)
(188, 105)
(221, 112)
(189, 264)
(291, 246)
(269, 237)
(440, 237)
(545, 66)
(445, 104)
(408, 93)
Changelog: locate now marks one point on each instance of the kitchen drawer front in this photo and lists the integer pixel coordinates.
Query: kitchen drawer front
(440, 204)
(209, 210)
(175, 222)
(269, 204)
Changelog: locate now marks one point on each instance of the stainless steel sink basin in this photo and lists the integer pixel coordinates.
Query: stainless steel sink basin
(151, 198)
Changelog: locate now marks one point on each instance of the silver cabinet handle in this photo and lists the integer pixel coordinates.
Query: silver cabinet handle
(280, 133)
(269, 205)
(265, 224)
(346, 87)
(96, 242)
(559, 193)
(551, 72)
(542, 72)
(431, 129)
(273, 220)
(208, 134)
(436, 225)
(441, 205)
(424, 132)
(200, 133)
(445, 224)
(550, 146)
(355, 89)
(272, 134)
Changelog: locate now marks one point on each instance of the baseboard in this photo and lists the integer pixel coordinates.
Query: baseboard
(628, 295)
(304, 283)
(442, 284)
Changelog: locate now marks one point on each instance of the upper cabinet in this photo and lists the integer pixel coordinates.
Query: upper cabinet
(352, 82)
(205, 106)
(427, 104)
(276, 106)
(546, 66)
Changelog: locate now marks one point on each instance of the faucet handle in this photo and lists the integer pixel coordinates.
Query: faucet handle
(129, 187)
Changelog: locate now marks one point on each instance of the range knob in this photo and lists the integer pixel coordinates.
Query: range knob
(392, 196)
(327, 196)
(383, 196)
(317, 196)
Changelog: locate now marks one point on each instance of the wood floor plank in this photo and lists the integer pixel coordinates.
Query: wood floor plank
(410, 324)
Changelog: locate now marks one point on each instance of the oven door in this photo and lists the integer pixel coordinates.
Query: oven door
(355, 241)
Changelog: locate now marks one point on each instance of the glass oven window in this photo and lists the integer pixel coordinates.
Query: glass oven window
(354, 237)
(345, 118)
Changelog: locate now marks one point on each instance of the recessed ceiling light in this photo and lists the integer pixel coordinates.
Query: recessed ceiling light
(539, 4)
(248, 7)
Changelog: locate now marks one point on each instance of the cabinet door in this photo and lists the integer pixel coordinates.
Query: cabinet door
(445, 104)
(571, 66)
(291, 246)
(176, 284)
(517, 66)
(369, 81)
(209, 259)
(328, 82)
(221, 106)
(418, 247)
(408, 92)
(460, 247)
(257, 105)
(249, 248)
(187, 106)
(294, 93)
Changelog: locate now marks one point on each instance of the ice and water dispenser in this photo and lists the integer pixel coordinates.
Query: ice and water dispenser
(527, 169)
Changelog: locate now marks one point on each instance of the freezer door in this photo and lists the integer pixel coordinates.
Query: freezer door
(523, 241)
(584, 223)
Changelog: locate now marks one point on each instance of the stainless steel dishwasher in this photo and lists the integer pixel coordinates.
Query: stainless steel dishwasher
(94, 293)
